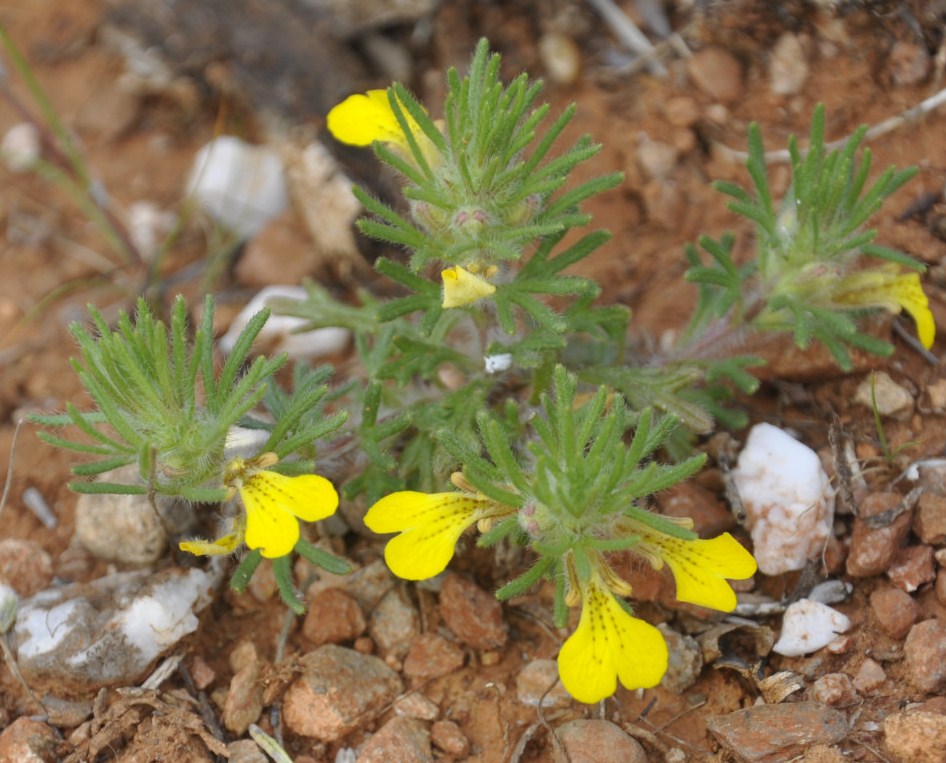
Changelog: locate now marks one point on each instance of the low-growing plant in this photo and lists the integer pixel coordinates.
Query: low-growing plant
(494, 392)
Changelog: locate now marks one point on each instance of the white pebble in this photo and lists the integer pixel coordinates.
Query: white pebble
(21, 147)
(241, 186)
(148, 224)
(788, 498)
(494, 364)
(808, 626)
(277, 334)
(35, 502)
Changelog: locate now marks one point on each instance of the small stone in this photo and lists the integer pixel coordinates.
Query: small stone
(489, 658)
(561, 58)
(890, 398)
(394, 624)
(244, 701)
(21, 147)
(333, 617)
(937, 393)
(807, 626)
(446, 736)
(432, 656)
(405, 740)
(788, 68)
(912, 567)
(416, 705)
(822, 753)
(124, 528)
(788, 497)
(279, 333)
(108, 112)
(931, 476)
(895, 610)
(28, 741)
(539, 679)
(65, 713)
(366, 585)
(908, 64)
(834, 689)
(940, 587)
(778, 732)
(246, 751)
(869, 677)
(473, 615)
(241, 186)
(656, 159)
(597, 741)
(201, 673)
(243, 654)
(338, 691)
(685, 660)
(929, 519)
(81, 637)
(364, 645)
(873, 548)
(915, 737)
(717, 73)
(664, 203)
(924, 653)
(24, 566)
(683, 111)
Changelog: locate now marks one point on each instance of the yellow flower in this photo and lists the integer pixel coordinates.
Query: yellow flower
(430, 524)
(461, 287)
(226, 544)
(361, 119)
(609, 645)
(892, 290)
(700, 567)
(274, 505)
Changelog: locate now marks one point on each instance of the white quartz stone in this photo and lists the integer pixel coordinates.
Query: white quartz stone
(788, 498)
(808, 626)
(240, 185)
(278, 333)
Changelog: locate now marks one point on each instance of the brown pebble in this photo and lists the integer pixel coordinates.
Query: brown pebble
(201, 673)
(929, 521)
(872, 549)
(834, 689)
(24, 566)
(244, 701)
(924, 655)
(895, 610)
(490, 658)
(911, 567)
(593, 741)
(432, 656)
(28, 741)
(364, 645)
(717, 73)
(401, 739)
(916, 737)
(869, 677)
(333, 617)
(446, 736)
(682, 111)
(472, 614)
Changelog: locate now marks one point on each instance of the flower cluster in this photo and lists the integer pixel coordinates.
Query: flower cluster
(571, 526)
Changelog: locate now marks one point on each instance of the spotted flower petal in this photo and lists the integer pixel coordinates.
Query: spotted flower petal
(274, 504)
(609, 645)
(461, 287)
(430, 524)
(701, 567)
